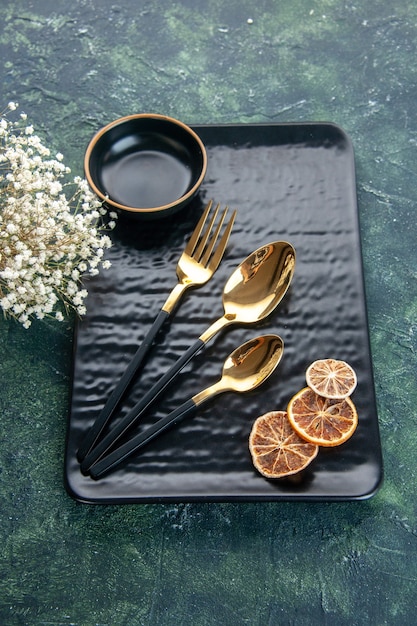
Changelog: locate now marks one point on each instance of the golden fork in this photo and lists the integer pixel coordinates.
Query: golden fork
(195, 267)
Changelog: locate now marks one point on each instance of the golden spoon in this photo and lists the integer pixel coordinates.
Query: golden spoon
(253, 291)
(245, 369)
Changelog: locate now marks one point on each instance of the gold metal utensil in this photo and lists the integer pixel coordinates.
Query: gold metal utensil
(196, 266)
(252, 292)
(245, 369)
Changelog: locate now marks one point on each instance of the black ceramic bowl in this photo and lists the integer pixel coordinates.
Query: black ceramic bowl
(146, 165)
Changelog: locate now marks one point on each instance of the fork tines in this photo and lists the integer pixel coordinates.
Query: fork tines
(200, 247)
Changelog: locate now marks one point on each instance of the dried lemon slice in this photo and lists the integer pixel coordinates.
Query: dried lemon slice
(331, 378)
(276, 449)
(323, 421)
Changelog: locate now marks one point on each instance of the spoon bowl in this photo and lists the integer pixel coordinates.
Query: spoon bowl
(247, 367)
(256, 287)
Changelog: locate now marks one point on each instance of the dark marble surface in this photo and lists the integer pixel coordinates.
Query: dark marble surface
(75, 66)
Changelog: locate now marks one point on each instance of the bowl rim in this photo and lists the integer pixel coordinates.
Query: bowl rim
(163, 207)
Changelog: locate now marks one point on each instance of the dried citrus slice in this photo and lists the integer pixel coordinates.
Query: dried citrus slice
(331, 378)
(276, 449)
(323, 421)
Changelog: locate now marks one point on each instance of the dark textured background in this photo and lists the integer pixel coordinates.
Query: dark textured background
(74, 66)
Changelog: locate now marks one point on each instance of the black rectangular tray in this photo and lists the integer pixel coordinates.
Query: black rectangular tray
(294, 182)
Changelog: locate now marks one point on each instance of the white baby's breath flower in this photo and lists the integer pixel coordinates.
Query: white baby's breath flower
(5, 304)
(50, 229)
(55, 188)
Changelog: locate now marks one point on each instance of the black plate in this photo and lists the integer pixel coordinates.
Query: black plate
(288, 181)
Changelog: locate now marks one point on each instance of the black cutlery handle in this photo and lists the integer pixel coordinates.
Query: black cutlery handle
(116, 395)
(134, 414)
(136, 443)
